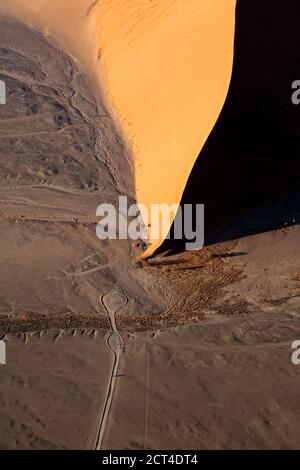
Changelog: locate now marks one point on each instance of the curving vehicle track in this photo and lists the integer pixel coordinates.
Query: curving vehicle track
(115, 343)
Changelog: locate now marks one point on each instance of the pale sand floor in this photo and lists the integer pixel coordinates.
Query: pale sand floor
(66, 21)
(51, 390)
(225, 382)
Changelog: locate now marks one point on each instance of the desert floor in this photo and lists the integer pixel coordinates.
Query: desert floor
(222, 381)
(200, 355)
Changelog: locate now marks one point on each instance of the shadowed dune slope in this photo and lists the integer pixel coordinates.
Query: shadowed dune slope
(251, 160)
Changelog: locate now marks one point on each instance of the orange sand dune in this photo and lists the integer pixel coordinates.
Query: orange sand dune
(167, 66)
(164, 66)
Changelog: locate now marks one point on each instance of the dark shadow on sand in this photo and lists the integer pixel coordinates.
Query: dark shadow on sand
(248, 173)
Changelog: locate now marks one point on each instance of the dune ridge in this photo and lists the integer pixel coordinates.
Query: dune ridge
(163, 67)
(167, 68)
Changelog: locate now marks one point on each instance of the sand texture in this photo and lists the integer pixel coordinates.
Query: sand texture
(61, 157)
(164, 69)
(187, 350)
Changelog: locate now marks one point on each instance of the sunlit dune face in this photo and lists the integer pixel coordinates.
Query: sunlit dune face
(165, 67)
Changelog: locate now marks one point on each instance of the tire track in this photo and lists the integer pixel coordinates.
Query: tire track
(115, 343)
